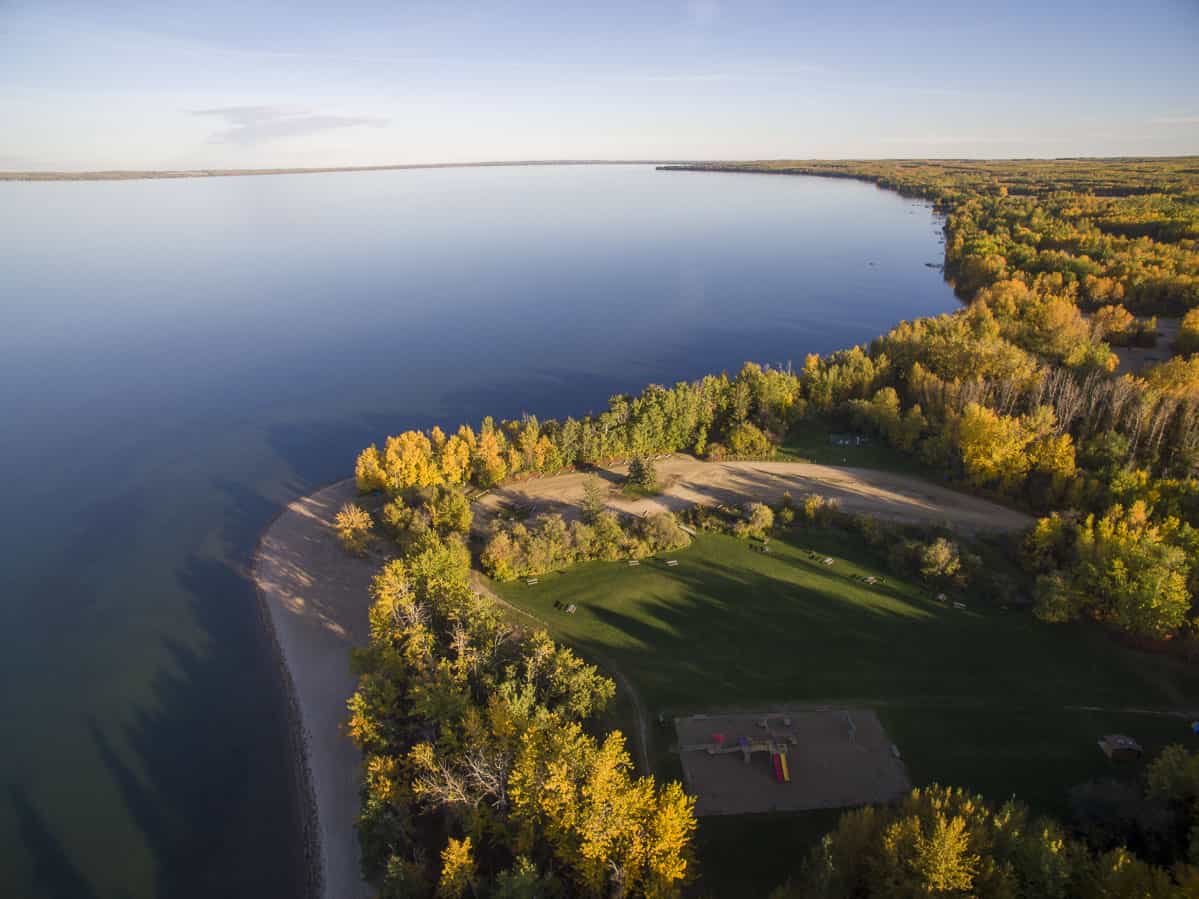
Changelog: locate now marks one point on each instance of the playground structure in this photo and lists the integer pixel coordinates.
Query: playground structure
(797, 758)
(775, 746)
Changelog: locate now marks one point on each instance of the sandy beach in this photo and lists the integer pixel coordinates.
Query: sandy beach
(317, 598)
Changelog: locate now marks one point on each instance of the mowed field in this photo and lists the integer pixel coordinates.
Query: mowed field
(978, 697)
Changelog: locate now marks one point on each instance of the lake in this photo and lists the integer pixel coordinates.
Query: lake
(179, 359)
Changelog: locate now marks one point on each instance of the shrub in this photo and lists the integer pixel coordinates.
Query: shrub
(353, 526)
(449, 511)
(642, 475)
(593, 498)
(717, 452)
(662, 532)
(499, 556)
(748, 440)
(939, 559)
(758, 519)
(817, 508)
(608, 536)
(406, 524)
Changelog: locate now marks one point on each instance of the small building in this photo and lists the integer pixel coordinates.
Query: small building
(1121, 748)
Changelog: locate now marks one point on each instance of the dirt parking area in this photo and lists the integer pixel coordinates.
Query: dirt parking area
(688, 482)
(835, 758)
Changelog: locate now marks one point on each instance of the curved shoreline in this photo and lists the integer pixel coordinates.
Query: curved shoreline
(297, 741)
(313, 599)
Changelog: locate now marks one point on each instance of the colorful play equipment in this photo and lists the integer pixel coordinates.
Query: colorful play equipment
(776, 745)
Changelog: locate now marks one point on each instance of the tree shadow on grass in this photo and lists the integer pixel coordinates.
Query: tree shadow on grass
(728, 629)
(737, 635)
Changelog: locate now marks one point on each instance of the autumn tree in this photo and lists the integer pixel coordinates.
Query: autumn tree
(1109, 321)
(1120, 567)
(1188, 333)
(748, 441)
(642, 475)
(488, 463)
(593, 498)
(368, 471)
(409, 462)
(457, 869)
(992, 447)
(353, 526)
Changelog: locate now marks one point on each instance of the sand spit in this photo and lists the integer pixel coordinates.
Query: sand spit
(316, 599)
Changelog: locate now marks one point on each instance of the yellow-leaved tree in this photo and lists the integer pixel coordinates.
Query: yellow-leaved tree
(369, 472)
(408, 461)
(353, 526)
(614, 833)
(457, 869)
(489, 464)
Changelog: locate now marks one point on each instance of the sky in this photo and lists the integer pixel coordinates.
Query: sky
(166, 85)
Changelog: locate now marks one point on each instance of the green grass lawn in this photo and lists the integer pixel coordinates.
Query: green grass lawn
(809, 442)
(975, 698)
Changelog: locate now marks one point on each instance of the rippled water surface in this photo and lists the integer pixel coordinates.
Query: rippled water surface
(180, 358)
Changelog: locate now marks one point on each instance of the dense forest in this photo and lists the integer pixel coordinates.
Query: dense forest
(479, 739)
(480, 775)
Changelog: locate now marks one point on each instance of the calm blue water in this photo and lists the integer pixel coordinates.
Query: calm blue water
(180, 358)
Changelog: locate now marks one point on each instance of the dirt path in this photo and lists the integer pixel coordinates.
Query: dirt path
(480, 585)
(687, 481)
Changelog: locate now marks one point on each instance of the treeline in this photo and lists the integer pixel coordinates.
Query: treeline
(954, 390)
(715, 417)
(514, 549)
(481, 776)
(1114, 460)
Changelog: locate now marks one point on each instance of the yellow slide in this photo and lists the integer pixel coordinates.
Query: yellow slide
(786, 770)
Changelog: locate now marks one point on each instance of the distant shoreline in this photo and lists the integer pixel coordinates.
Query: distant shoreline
(762, 166)
(149, 174)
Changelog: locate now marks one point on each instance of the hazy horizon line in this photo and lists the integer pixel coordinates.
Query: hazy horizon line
(110, 174)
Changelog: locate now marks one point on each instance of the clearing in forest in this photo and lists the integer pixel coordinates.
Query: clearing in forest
(685, 482)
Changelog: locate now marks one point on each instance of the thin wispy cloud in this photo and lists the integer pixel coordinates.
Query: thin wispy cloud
(944, 140)
(1176, 120)
(252, 125)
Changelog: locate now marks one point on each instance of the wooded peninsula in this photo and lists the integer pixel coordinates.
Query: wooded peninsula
(1066, 388)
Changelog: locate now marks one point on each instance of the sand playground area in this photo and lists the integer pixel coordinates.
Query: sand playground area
(785, 761)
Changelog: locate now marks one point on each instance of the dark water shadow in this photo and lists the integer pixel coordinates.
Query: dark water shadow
(208, 775)
(319, 452)
(54, 874)
(544, 392)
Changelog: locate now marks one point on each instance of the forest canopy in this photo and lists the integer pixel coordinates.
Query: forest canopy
(481, 773)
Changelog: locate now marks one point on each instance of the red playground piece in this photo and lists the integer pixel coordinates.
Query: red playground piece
(778, 766)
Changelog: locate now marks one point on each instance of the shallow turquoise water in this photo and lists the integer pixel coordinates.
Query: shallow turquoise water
(180, 358)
